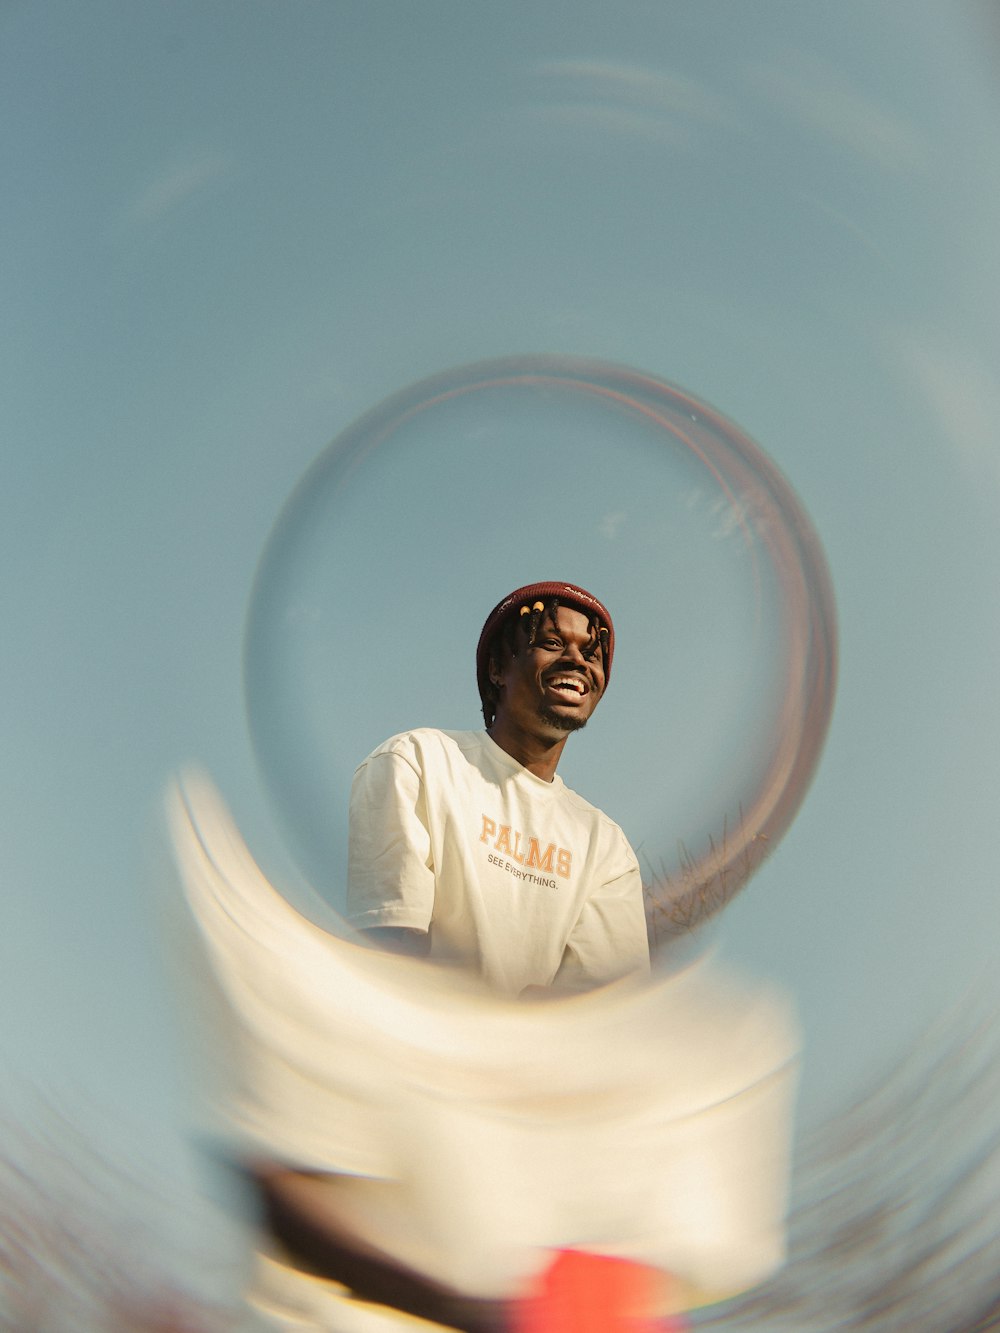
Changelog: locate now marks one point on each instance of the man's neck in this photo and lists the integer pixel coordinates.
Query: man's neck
(539, 755)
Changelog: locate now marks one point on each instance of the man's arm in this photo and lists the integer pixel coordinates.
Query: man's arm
(390, 876)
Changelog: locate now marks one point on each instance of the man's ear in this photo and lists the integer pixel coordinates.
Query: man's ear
(496, 671)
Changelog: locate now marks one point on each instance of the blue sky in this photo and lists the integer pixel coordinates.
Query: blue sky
(228, 230)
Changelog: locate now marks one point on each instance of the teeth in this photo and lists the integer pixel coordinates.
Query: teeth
(558, 682)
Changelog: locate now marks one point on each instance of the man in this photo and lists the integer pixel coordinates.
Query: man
(468, 846)
(422, 1150)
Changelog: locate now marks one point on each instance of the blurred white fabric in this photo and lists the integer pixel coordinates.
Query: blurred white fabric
(467, 1135)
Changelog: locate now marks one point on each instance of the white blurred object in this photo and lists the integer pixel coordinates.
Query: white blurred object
(466, 1135)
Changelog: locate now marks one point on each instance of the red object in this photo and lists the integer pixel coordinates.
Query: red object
(592, 1293)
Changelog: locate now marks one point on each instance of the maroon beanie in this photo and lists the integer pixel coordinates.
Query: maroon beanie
(568, 594)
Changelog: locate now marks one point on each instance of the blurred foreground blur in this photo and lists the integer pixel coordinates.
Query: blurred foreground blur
(401, 1114)
(894, 1221)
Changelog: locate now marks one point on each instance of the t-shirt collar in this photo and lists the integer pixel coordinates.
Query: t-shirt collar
(508, 761)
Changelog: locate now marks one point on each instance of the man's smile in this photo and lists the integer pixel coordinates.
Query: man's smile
(568, 684)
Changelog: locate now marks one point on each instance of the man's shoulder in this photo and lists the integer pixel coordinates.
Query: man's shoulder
(423, 742)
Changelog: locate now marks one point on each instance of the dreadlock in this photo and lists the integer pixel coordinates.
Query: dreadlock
(528, 621)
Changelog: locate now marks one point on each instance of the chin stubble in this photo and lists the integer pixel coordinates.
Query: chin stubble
(563, 723)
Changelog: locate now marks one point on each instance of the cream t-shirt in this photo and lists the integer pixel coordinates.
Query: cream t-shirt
(519, 878)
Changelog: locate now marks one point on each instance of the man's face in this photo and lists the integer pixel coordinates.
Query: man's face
(553, 686)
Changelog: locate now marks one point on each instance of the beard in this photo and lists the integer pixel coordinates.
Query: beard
(570, 723)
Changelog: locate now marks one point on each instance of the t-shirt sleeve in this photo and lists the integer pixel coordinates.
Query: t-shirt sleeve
(390, 878)
(609, 938)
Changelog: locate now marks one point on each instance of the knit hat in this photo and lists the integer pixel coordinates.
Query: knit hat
(568, 594)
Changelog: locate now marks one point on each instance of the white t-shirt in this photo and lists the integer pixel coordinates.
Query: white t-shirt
(517, 877)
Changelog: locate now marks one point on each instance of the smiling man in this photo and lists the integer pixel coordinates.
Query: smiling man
(405, 1165)
(467, 846)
